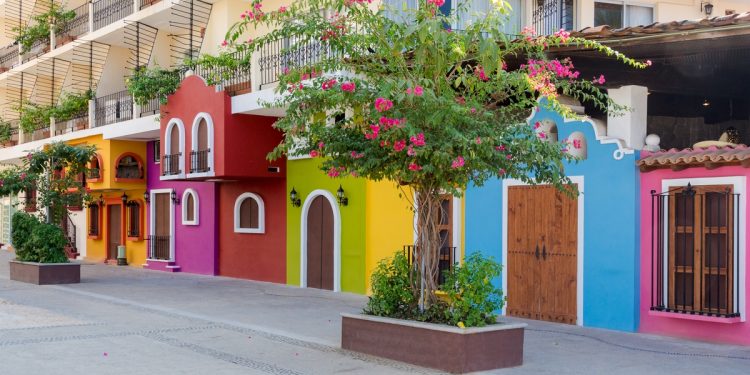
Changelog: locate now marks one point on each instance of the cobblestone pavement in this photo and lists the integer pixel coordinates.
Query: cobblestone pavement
(123, 320)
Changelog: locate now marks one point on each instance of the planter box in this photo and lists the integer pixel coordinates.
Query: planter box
(436, 346)
(45, 273)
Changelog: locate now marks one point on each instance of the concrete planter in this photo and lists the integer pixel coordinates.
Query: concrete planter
(436, 346)
(45, 273)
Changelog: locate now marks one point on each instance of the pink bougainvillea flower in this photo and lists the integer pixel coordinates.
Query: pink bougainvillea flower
(23, 176)
(329, 84)
(417, 140)
(563, 35)
(357, 155)
(383, 143)
(257, 6)
(576, 143)
(399, 145)
(500, 148)
(648, 62)
(321, 145)
(509, 156)
(383, 104)
(314, 154)
(375, 131)
(457, 162)
(243, 15)
(348, 86)
(409, 91)
(418, 90)
(478, 140)
(501, 171)
(542, 135)
(437, 3)
(600, 80)
(282, 9)
(286, 70)
(537, 125)
(414, 167)
(333, 172)
(479, 73)
(473, 110)
(224, 43)
(249, 40)
(410, 151)
(461, 100)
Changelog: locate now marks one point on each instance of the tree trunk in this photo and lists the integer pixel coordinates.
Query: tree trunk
(428, 244)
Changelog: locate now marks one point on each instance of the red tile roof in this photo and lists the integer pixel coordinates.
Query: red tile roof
(606, 32)
(711, 157)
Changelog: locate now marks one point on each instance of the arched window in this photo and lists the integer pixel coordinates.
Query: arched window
(174, 144)
(249, 214)
(128, 166)
(190, 207)
(94, 172)
(201, 155)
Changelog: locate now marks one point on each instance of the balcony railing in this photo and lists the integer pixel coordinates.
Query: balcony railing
(550, 16)
(93, 174)
(151, 108)
(107, 12)
(234, 81)
(275, 58)
(8, 57)
(40, 47)
(159, 247)
(78, 26)
(199, 161)
(171, 165)
(147, 3)
(445, 260)
(113, 108)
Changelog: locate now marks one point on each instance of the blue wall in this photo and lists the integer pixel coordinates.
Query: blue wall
(611, 227)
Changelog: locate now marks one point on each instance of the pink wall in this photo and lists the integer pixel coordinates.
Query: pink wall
(675, 324)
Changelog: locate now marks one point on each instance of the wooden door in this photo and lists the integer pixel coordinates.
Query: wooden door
(542, 254)
(160, 240)
(202, 141)
(114, 229)
(320, 244)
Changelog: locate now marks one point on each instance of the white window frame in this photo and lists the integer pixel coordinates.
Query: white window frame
(196, 207)
(625, 5)
(152, 223)
(168, 145)
(210, 141)
(738, 184)
(261, 214)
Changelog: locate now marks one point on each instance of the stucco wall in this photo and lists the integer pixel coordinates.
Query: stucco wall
(610, 233)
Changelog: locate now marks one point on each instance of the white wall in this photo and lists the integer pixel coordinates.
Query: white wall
(114, 70)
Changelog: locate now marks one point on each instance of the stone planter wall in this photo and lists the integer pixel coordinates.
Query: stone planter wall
(45, 273)
(436, 346)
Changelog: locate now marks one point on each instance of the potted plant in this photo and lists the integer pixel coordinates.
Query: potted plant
(434, 110)
(39, 29)
(39, 239)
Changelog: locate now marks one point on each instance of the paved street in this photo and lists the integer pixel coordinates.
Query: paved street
(129, 321)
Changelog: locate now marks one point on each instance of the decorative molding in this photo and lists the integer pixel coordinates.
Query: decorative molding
(336, 238)
(196, 207)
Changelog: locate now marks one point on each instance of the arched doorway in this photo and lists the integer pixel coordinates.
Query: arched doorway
(320, 244)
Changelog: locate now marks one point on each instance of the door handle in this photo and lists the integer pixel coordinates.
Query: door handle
(544, 252)
(536, 252)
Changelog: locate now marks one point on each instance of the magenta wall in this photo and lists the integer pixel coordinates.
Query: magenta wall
(675, 324)
(196, 246)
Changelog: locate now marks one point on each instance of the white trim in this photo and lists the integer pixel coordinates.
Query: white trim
(196, 207)
(261, 214)
(336, 238)
(168, 146)
(580, 275)
(152, 224)
(210, 141)
(739, 184)
(456, 211)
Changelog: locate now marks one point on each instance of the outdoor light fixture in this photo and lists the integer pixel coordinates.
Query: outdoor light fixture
(706, 103)
(707, 7)
(175, 200)
(124, 198)
(294, 198)
(101, 201)
(343, 200)
(146, 196)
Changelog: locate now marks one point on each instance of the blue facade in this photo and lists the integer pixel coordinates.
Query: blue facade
(610, 218)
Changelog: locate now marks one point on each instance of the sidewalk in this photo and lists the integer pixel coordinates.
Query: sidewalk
(122, 320)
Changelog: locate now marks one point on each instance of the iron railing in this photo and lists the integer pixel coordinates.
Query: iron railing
(234, 81)
(69, 229)
(152, 107)
(107, 12)
(171, 165)
(8, 57)
(40, 47)
(550, 16)
(78, 26)
(276, 57)
(694, 251)
(113, 108)
(93, 173)
(445, 260)
(158, 247)
(13, 140)
(199, 161)
(142, 4)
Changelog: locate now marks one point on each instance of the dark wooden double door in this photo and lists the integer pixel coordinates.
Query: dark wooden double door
(320, 244)
(542, 254)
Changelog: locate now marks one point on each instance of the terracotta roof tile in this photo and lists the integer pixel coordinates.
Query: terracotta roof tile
(710, 157)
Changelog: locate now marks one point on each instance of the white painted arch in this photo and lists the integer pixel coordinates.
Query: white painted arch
(196, 207)
(181, 147)
(261, 214)
(194, 143)
(336, 238)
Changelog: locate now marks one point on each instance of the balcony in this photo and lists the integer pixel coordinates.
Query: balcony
(8, 57)
(113, 108)
(199, 161)
(550, 16)
(107, 12)
(171, 165)
(159, 247)
(233, 81)
(275, 58)
(78, 26)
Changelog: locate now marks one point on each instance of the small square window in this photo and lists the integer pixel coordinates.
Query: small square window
(157, 152)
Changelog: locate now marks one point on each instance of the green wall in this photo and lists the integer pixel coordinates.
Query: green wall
(304, 176)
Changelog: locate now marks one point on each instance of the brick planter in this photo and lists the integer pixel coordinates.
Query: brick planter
(436, 346)
(45, 273)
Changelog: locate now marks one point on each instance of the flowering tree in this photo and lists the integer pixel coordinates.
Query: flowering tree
(430, 108)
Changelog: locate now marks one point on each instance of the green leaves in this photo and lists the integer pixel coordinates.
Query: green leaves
(475, 300)
(147, 83)
(35, 241)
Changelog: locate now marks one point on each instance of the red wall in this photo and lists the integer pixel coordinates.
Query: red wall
(254, 256)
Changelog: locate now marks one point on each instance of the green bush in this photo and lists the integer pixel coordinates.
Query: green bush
(392, 294)
(35, 241)
(474, 300)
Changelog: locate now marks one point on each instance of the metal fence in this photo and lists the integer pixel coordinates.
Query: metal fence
(199, 161)
(113, 108)
(445, 259)
(78, 26)
(694, 251)
(158, 247)
(8, 57)
(151, 108)
(234, 81)
(550, 16)
(171, 165)
(107, 12)
(276, 57)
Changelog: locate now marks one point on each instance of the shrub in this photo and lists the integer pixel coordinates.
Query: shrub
(474, 300)
(392, 294)
(35, 241)
(22, 225)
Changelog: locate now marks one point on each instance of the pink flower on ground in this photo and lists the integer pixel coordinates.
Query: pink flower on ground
(348, 86)
(457, 162)
(282, 9)
(418, 90)
(383, 104)
(314, 154)
(417, 140)
(399, 145)
(333, 172)
(414, 167)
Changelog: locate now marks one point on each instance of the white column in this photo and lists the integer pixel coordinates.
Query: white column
(254, 71)
(52, 39)
(92, 113)
(136, 6)
(136, 109)
(91, 16)
(631, 125)
(52, 126)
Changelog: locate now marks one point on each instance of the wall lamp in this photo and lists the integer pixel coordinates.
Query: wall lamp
(175, 199)
(340, 195)
(147, 196)
(294, 198)
(101, 201)
(707, 7)
(124, 198)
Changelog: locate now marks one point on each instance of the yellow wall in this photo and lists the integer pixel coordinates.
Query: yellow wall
(389, 224)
